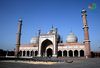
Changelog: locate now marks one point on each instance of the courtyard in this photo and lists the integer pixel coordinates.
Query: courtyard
(81, 63)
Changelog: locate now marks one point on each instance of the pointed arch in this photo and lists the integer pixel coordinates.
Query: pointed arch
(59, 53)
(20, 53)
(65, 53)
(44, 45)
(23, 53)
(76, 53)
(81, 53)
(32, 53)
(27, 53)
(36, 53)
(70, 53)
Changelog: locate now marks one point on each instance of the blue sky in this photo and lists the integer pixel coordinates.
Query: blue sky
(42, 14)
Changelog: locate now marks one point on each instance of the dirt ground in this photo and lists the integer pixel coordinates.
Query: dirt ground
(86, 63)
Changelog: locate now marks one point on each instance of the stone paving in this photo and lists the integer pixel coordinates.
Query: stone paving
(84, 63)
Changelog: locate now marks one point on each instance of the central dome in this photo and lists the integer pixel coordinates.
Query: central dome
(71, 38)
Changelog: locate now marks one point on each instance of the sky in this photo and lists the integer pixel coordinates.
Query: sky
(42, 14)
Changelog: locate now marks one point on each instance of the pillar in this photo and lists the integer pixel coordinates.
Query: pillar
(78, 53)
(29, 53)
(62, 54)
(22, 53)
(45, 53)
(55, 45)
(73, 53)
(34, 53)
(67, 53)
(25, 53)
(39, 50)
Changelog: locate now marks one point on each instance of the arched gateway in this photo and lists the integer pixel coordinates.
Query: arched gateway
(46, 43)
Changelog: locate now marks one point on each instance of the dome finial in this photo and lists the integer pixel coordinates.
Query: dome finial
(71, 31)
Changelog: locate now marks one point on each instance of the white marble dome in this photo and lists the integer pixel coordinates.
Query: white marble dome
(71, 38)
(34, 40)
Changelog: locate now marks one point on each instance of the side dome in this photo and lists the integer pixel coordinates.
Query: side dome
(34, 40)
(71, 38)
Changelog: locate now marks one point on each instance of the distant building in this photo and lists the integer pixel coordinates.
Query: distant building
(51, 45)
(95, 54)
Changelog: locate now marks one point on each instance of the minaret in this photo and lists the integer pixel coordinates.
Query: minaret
(86, 34)
(39, 51)
(18, 37)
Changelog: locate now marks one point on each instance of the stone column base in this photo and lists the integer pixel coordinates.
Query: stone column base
(54, 55)
(39, 55)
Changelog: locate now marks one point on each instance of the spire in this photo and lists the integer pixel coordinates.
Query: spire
(71, 31)
(39, 32)
(52, 26)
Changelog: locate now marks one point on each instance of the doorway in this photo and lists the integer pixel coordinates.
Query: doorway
(49, 52)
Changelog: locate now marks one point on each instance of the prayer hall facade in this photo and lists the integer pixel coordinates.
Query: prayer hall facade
(51, 45)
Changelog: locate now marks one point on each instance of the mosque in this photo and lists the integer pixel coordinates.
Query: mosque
(51, 45)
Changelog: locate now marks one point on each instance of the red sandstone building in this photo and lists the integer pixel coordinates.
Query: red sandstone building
(50, 44)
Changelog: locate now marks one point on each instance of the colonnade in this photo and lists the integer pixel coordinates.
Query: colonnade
(60, 53)
(28, 53)
(70, 53)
